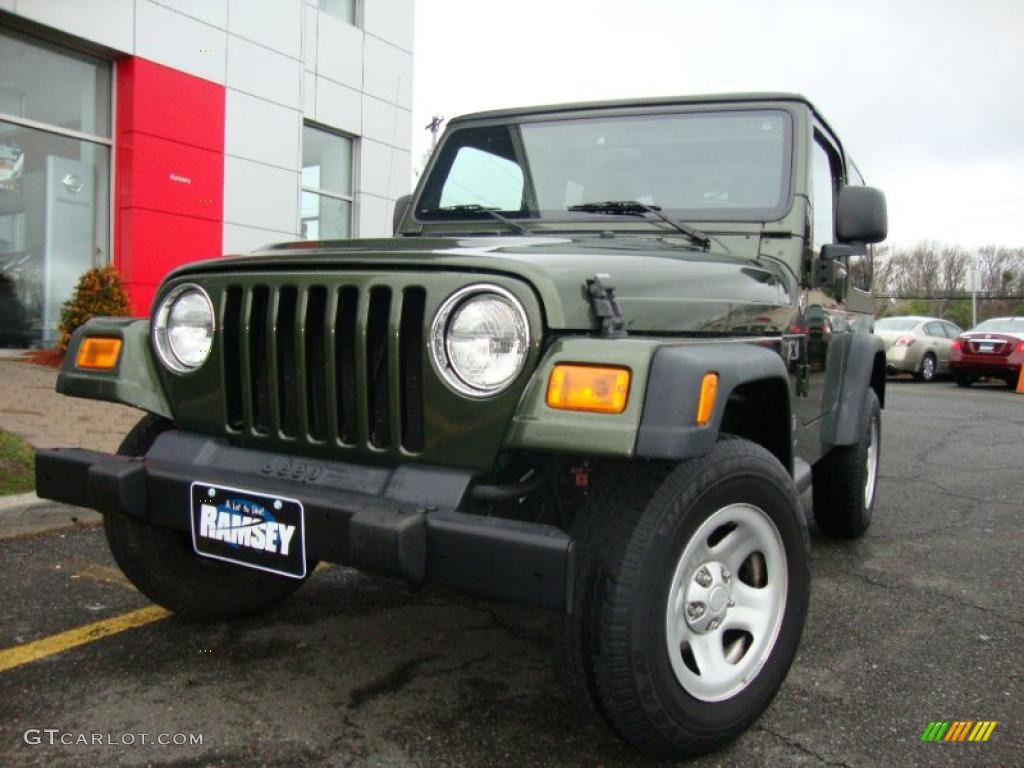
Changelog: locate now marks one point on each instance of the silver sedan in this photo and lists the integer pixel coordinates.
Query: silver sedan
(916, 345)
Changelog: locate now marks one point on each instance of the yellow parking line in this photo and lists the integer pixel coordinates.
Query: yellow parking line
(48, 646)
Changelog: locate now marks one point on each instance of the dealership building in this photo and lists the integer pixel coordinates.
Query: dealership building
(150, 133)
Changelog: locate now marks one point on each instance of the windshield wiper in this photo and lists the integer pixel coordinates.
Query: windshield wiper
(492, 212)
(635, 208)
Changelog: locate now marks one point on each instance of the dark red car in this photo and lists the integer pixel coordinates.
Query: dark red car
(992, 350)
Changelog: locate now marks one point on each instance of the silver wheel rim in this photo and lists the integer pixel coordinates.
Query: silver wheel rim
(726, 602)
(929, 368)
(872, 465)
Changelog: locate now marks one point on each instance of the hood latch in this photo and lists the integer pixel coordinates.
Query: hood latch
(605, 307)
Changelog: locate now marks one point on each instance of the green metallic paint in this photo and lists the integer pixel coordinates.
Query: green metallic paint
(663, 285)
(460, 432)
(135, 381)
(538, 427)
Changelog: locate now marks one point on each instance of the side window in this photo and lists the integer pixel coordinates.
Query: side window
(481, 178)
(823, 196)
(934, 329)
(952, 331)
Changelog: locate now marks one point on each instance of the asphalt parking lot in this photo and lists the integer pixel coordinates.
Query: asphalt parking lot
(921, 620)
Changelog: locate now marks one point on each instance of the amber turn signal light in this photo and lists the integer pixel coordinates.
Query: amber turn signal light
(706, 404)
(588, 388)
(98, 354)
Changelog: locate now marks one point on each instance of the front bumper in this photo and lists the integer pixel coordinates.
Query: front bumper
(395, 521)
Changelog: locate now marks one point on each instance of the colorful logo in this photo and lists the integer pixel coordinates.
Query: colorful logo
(959, 730)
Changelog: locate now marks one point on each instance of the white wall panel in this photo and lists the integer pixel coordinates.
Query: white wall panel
(338, 106)
(240, 239)
(257, 195)
(375, 168)
(109, 22)
(309, 95)
(212, 12)
(391, 20)
(374, 217)
(261, 72)
(257, 129)
(309, 37)
(387, 72)
(339, 51)
(386, 123)
(276, 24)
(400, 174)
(177, 41)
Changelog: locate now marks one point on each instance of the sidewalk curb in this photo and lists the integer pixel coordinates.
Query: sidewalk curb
(20, 500)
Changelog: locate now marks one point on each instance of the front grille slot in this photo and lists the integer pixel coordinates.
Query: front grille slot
(316, 362)
(378, 415)
(258, 359)
(342, 364)
(287, 382)
(345, 364)
(410, 377)
(232, 323)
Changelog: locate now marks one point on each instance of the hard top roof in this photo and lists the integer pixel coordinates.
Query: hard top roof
(660, 101)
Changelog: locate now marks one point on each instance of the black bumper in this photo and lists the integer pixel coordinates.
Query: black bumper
(393, 521)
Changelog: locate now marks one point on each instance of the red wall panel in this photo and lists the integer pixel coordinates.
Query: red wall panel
(165, 175)
(169, 173)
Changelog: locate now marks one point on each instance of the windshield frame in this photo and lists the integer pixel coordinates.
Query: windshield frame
(442, 155)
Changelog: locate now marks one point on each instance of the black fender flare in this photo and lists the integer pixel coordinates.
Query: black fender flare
(668, 428)
(865, 367)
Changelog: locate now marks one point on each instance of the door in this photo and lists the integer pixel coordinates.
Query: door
(824, 318)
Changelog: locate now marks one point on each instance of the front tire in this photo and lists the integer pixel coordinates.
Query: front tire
(846, 479)
(962, 380)
(724, 530)
(162, 566)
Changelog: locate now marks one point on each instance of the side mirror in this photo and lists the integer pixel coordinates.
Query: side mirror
(861, 215)
(832, 268)
(401, 207)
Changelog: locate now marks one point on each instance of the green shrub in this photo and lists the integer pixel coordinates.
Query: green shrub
(99, 293)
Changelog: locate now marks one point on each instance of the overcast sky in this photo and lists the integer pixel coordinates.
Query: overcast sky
(928, 95)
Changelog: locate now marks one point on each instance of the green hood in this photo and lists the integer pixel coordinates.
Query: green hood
(662, 286)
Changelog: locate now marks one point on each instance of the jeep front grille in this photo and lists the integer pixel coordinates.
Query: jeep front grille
(325, 363)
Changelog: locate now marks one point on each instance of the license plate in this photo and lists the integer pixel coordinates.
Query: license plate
(986, 347)
(249, 528)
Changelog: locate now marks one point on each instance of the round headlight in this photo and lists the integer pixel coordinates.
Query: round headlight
(479, 340)
(183, 328)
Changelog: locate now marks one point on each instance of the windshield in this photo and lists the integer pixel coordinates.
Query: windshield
(896, 324)
(698, 166)
(1004, 325)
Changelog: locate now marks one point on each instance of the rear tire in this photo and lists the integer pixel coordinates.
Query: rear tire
(926, 372)
(624, 643)
(963, 381)
(162, 566)
(846, 478)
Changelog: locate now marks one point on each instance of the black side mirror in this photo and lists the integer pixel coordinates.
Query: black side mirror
(401, 207)
(861, 215)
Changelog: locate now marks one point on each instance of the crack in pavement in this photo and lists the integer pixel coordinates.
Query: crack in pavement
(402, 676)
(913, 607)
(800, 747)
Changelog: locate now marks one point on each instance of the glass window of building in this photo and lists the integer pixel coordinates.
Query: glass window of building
(326, 211)
(54, 181)
(340, 9)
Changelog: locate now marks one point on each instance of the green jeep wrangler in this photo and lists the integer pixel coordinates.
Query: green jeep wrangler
(606, 351)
